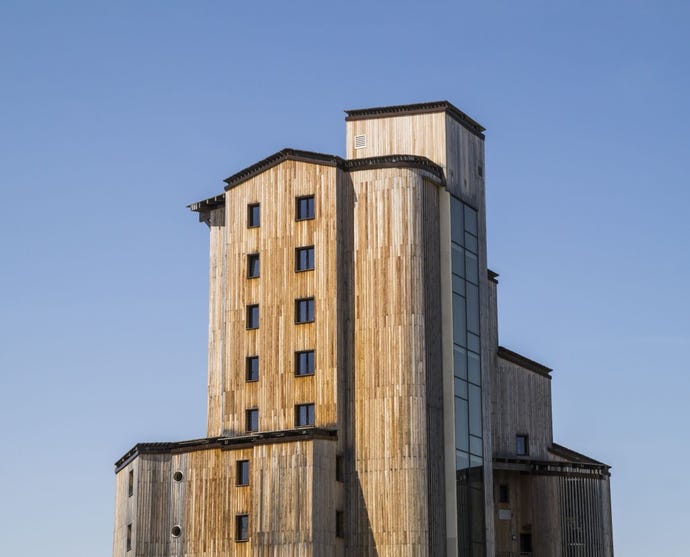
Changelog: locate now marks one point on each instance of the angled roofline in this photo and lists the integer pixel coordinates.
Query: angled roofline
(347, 165)
(574, 456)
(225, 443)
(420, 108)
(523, 362)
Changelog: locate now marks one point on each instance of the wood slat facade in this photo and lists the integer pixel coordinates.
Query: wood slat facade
(374, 471)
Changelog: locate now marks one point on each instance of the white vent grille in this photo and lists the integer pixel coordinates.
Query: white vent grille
(360, 141)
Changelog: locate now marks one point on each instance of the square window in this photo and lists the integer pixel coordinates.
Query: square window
(129, 537)
(503, 494)
(130, 487)
(339, 524)
(522, 445)
(339, 472)
(304, 362)
(253, 215)
(304, 208)
(241, 527)
(304, 415)
(242, 472)
(304, 310)
(252, 368)
(304, 258)
(253, 267)
(252, 416)
(253, 316)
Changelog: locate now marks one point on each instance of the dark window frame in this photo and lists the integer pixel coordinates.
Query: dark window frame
(339, 468)
(298, 354)
(253, 258)
(503, 493)
(309, 416)
(309, 209)
(339, 524)
(242, 473)
(310, 310)
(130, 483)
(129, 537)
(249, 323)
(524, 439)
(298, 252)
(242, 527)
(248, 413)
(254, 220)
(249, 372)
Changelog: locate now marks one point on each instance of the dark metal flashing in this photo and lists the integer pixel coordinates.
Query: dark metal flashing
(421, 108)
(493, 277)
(349, 165)
(573, 456)
(225, 443)
(523, 362)
(552, 468)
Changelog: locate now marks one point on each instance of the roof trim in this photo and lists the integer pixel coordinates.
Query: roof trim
(571, 455)
(346, 165)
(420, 108)
(493, 277)
(523, 362)
(225, 443)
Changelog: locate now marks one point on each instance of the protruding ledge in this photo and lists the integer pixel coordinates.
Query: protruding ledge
(493, 277)
(420, 108)
(225, 443)
(524, 362)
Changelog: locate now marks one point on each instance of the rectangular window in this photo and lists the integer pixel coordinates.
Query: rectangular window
(304, 310)
(526, 544)
(252, 368)
(503, 494)
(339, 472)
(304, 362)
(130, 486)
(304, 258)
(339, 524)
(252, 417)
(304, 209)
(241, 527)
(522, 445)
(304, 415)
(129, 537)
(253, 316)
(253, 215)
(242, 472)
(253, 267)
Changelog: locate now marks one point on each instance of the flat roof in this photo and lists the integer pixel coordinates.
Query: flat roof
(418, 108)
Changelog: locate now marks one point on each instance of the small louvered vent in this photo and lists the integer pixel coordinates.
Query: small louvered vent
(360, 141)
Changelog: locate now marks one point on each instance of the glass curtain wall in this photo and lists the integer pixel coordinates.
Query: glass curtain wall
(468, 379)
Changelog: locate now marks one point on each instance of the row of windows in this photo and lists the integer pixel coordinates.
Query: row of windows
(304, 261)
(304, 313)
(304, 417)
(304, 210)
(304, 365)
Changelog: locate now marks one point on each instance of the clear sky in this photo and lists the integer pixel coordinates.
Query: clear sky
(116, 115)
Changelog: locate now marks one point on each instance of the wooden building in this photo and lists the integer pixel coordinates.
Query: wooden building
(358, 401)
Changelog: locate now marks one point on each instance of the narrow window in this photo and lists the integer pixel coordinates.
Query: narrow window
(526, 544)
(252, 416)
(304, 310)
(522, 445)
(339, 473)
(241, 527)
(304, 415)
(253, 215)
(503, 494)
(304, 362)
(129, 537)
(253, 267)
(253, 316)
(304, 208)
(304, 258)
(242, 472)
(339, 524)
(130, 487)
(252, 368)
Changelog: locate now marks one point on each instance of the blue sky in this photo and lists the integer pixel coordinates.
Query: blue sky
(115, 116)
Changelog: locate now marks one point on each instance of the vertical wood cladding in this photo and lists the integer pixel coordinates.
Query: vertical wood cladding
(277, 338)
